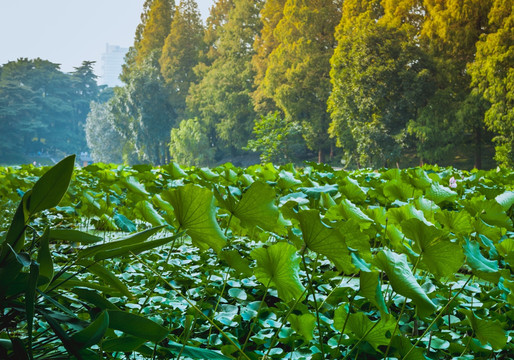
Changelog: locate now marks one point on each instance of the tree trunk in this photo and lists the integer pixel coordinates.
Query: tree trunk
(478, 147)
(321, 156)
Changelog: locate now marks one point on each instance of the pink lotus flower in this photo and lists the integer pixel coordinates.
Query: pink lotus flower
(453, 183)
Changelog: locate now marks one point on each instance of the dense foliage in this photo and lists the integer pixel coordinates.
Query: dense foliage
(42, 109)
(281, 262)
(366, 82)
(383, 80)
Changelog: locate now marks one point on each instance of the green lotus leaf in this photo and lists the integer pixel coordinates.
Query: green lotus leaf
(403, 281)
(196, 212)
(278, 265)
(325, 240)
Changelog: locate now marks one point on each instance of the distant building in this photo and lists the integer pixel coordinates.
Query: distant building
(112, 60)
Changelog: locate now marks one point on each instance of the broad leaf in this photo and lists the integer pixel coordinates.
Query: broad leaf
(73, 236)
(370, 288)
(403, 281)
(304, 325)
(438, 193)
(487, 331)
(133, 239)
(107, 276)
(257, 207)
(441, 256)
(325, 240)
(506, 200)
(279, 265)
(44, 258)
(196, 212)
(364, 328)
(128, 250)
(482, 267)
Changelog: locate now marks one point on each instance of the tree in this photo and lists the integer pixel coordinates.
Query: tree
(86, 90)
(221, 99)
(449, 35)
(143, 114)
(381, 78)
(105, 143)
(181, 52)
(155, 31)
(492, 73)
(19, 123)
(297, 75)
(190, 145)
(277, 140)
(271, 14)
(53, 97)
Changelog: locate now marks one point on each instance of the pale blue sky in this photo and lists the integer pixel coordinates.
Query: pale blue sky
(68, 32)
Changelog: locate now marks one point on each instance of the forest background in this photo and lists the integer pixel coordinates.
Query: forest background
(353, 83)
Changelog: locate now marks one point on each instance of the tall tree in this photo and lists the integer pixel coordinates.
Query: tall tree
(493, 74)
(381, 78)
(222, 97)
(143, 114)
(155, 31)
(449, 34)
(181, 52)
(271, 14)
(86, 90)
(297, 76)
(105, 142)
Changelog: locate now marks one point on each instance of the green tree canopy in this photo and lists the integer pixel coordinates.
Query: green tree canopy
(297, 75)
(181, 52)
(492, 72)
(222, 97)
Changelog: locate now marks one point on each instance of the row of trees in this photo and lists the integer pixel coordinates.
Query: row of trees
(367, 79)
(43, 110)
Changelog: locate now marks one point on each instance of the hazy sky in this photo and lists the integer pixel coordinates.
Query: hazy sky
(68, 32)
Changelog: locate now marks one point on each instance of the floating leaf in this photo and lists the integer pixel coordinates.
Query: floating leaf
(279, 265)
